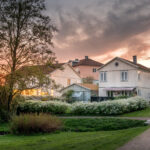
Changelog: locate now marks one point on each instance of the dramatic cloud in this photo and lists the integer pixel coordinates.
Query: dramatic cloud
(101, 29)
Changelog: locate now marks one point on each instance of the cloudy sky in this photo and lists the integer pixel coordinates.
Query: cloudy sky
(101, 29)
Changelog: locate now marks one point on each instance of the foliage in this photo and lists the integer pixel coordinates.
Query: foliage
(16, 101)
(121, 97)
(102, 140)
(88, 80)
(33, 123)
(102, 124)
(4, 114)
(114, 107)
(53, 107)
(25, 38)
(68, 95)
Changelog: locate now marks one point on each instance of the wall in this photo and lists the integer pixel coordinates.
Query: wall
(86, 71)
(114, 76)
(61, 78)
(144, 84)
(86, 94)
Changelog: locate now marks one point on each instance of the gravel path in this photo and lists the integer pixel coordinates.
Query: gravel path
(141, 142)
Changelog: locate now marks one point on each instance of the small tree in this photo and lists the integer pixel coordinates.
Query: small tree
(25, 39)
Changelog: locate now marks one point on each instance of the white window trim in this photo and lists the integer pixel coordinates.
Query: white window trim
(103, 73)
(124, 80)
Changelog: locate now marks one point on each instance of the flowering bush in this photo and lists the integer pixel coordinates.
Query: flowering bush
(52, 107)
(114, 107)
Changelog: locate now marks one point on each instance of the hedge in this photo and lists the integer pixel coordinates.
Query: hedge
(52, 107)
(113, 107)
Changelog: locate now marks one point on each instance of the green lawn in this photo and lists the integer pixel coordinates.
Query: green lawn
(141, 113)
(102, 140)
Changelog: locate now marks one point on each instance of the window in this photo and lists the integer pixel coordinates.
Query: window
(124, 76)
(52, 92)
(139, 76)
(94, 69)
(139, 92)
(103, 76)
(68, 82)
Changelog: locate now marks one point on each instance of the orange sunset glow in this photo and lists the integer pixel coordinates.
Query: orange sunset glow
(101, 29)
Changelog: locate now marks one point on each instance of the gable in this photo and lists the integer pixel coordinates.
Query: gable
(66, 72)
(117, 64)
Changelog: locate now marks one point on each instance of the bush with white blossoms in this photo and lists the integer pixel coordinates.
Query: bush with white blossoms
(53, 107)
(113, 107)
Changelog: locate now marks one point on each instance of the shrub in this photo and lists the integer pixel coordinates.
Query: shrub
(33, 123)
(99, 124)
(53, 107)
(16, 101)
(114, 107)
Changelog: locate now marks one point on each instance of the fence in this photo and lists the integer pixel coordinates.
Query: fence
(100, 99)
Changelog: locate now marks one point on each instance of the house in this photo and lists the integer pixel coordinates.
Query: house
(62, 77)
(123, 77)
(87, 68)
(82, 91)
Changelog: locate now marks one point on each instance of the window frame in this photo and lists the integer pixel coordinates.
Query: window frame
(103, 76)
(124, 76)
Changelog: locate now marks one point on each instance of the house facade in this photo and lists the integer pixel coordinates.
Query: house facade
(87, 68)
(62, 77)
(122, 77)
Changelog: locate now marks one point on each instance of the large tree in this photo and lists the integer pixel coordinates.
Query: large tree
(25, 38)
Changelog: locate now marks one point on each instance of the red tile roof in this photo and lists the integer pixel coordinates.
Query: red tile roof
(138, 65)
(88, 62)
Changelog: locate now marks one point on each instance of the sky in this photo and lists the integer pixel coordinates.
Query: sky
(101, 29)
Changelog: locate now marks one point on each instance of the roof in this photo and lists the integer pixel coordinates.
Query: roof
(91, 87)
(46, 69)
(119, 89)
(88, 62)
(139, 66)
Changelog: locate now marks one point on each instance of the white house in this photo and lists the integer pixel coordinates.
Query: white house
(123, 77)
(62, 77)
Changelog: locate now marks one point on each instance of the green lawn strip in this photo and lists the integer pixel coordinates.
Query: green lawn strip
(140, 113)
(100, 124)
(102, 140)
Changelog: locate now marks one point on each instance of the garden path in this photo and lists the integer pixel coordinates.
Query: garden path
(141, 142)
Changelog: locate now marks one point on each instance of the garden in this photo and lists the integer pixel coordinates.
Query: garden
(106, 108)
(47, 123)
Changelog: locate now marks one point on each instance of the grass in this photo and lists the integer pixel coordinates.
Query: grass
(103, 140)
(140, 113)
(4, 127)
(101, 124)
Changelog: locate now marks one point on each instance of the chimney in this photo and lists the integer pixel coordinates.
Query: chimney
(86, 57)
(135, 59)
